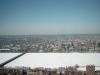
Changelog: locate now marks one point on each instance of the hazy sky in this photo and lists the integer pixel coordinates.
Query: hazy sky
(49, 16)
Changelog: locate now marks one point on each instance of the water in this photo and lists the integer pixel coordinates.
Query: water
(52, 60)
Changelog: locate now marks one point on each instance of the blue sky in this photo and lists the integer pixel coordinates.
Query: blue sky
(49, 17)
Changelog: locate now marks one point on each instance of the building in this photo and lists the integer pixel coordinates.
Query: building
(90, 70)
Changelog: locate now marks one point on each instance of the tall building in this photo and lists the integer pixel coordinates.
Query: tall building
(90, 70)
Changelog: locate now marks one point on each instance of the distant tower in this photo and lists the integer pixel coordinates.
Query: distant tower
(90, 70)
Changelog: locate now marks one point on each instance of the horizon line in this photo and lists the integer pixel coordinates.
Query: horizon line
(52, 34)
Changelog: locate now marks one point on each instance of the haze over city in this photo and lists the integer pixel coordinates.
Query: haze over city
(49, 37)
(25, 17)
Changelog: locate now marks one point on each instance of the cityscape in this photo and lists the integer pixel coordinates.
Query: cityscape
(81, 43)
(71, 70)
(49, 37)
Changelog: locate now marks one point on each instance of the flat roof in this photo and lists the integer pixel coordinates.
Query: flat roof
(54, 60)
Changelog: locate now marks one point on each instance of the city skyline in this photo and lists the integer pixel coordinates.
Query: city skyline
(26, 17)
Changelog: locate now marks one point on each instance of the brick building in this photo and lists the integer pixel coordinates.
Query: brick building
(90, 70)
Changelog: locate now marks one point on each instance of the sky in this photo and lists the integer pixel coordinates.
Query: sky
(25, 17)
